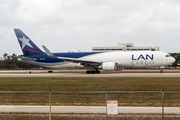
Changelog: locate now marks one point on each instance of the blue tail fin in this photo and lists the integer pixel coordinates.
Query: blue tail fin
(27, 46)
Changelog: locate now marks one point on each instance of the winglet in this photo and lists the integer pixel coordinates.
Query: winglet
(48, 52)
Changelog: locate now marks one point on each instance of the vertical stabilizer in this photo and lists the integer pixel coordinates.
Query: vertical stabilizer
(26, 44)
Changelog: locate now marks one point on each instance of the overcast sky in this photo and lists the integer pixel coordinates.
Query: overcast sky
(72, 25)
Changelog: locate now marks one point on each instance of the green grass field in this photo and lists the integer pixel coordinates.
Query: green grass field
(19, 116)
(90, 84)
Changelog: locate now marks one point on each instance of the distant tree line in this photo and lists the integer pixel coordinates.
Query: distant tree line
(9, 62)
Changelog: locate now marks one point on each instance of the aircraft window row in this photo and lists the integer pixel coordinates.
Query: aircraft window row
(140, 49)
(122, 49)
(108, 49)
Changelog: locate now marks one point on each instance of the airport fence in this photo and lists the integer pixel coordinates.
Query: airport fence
(106, 93)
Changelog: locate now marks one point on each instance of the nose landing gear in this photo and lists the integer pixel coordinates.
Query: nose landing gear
(161, 71)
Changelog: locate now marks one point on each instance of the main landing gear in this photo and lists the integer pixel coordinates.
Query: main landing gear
(93, 71)
(161, 71)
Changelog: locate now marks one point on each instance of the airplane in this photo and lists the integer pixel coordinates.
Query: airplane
(93, 61)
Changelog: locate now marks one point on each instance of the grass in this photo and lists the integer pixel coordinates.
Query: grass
(90, 84)
(19, 116)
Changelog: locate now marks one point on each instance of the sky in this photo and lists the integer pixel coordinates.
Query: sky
(72, 25)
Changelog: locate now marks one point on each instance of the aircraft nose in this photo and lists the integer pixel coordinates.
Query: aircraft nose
(173, 60)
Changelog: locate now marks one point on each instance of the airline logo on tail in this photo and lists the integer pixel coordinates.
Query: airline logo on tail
(25, 42)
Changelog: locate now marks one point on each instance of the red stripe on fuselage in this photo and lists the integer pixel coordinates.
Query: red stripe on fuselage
(32, 51)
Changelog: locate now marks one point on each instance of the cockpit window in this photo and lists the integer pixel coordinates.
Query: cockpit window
(168, 56)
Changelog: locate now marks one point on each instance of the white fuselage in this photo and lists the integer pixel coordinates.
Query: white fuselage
(122, 59)
(135, 59)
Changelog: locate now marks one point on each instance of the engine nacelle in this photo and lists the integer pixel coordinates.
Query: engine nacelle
(109, 66)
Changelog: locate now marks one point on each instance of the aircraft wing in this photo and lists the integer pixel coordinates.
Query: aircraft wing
(74, 60)
(25, 58)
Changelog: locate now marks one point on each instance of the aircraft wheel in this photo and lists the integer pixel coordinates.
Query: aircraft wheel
(97, 71)
(92, 71)
(88, 72)
(161, 71)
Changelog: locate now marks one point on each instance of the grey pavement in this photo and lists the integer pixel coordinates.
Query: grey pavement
(86, 109)
(20, 75)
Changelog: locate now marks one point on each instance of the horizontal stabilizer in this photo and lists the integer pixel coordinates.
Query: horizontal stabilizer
(25, 58)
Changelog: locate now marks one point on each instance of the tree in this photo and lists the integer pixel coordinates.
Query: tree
(177, 57)
(5, 56)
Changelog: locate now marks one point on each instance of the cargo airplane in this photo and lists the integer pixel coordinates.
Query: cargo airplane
(93, 61)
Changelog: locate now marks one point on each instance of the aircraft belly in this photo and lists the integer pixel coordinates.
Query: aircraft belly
(68, 65)
(56, 65)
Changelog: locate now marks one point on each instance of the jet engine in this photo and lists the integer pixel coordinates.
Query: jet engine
(109, 66)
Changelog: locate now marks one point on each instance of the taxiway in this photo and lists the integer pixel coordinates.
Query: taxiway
(23, 75)
(86, 109)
